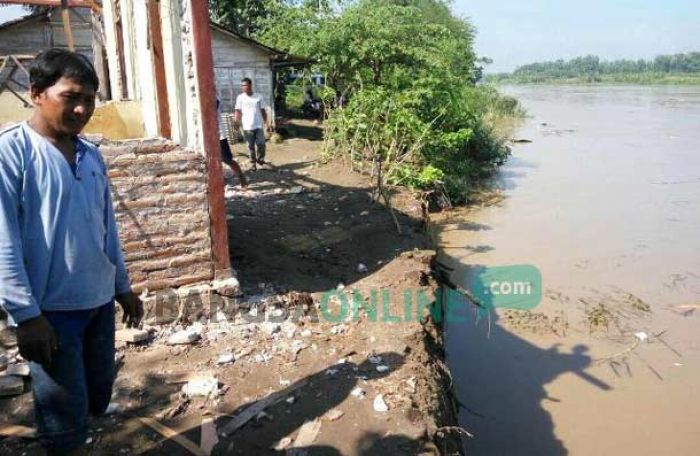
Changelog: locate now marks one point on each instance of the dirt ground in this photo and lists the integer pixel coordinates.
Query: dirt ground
(302, 228)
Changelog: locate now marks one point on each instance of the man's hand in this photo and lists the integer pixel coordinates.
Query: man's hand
(133, 309)
(37, 340)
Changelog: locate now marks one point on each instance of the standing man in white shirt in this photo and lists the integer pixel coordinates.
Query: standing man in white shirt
(251, 116)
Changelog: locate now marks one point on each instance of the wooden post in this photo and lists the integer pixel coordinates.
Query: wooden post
(65, 17)
(155, 30)
(204, 66)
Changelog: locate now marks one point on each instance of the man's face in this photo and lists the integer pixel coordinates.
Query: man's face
(247, 89)
(66, 106)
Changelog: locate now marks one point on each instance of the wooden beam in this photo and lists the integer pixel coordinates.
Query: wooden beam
(65, 17)
(19, 64)
(155, 28)
(204, 62)
(71, 3)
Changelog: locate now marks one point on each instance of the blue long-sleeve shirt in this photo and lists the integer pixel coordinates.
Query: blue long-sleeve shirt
(59, 245)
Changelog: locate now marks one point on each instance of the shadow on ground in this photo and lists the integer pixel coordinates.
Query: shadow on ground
(329, 233)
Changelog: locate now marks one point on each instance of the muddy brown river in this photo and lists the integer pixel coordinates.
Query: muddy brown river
(605, 202)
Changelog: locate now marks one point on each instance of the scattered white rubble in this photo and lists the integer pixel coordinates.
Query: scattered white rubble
(276, 313)
(271, 328)
(297, 346)
(362, 268)
(225, 358)
(262, 358)
(19, 369)
(290, 400)
(283, 444)
(184, 337)
(114, 408)
(331, 372)
(358, 393)
(339, 329)
(289, 329)
(642, 336)
(335, 415)
(411, 384)
(382, 368)
(131, 335)
(243, 353)
(203, 386)
(220, 317)
(379, 404)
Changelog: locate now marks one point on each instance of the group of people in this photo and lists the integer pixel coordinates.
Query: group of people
(61, 262)
(251, 117)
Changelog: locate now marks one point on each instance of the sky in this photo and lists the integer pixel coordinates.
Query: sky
(10, 12)
(517, 32)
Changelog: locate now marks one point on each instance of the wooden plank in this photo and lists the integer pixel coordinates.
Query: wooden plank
(12, 430)
(307, 434)
(164, 127)
(65, 16)
(209, 438)
(3, 65)
(251, 412)
(173, 435)
(19, 64)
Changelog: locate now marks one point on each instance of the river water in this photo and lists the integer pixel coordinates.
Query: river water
(605, 202)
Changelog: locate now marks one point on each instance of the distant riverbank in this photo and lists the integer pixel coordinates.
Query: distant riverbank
(636, 79)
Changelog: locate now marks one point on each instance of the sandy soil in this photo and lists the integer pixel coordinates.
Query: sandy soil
(301, 229)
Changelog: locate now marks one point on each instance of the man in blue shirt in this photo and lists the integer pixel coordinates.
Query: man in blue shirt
(61, 265)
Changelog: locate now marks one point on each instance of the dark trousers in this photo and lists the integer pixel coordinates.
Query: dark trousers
(80, 379)
(255, 139)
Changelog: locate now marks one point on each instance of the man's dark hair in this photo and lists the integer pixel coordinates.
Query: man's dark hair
(247, 80)
(50, 66)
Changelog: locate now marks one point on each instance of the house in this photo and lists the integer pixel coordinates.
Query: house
(235, 57)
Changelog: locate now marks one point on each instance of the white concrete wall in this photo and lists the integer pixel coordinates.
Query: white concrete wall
(191, 88)
(145, 75)
(175, 80)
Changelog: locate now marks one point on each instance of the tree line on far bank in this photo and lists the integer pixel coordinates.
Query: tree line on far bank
(400, 91)
(676, 68)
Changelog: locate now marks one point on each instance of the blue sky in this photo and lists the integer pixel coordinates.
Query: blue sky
(10, 12)
(516, 32)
